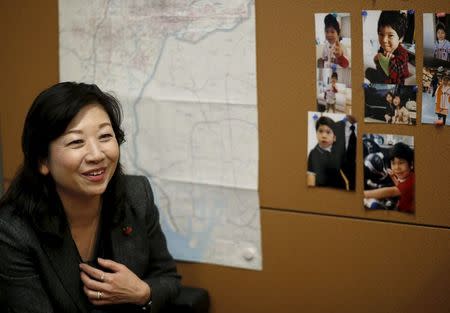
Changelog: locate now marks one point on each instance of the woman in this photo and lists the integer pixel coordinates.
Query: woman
(76, 234)
(401, 115)
(390, 108)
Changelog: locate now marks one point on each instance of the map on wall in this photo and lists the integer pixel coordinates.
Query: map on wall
(185, 73)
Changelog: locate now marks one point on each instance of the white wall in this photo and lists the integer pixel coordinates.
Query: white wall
(428, 34)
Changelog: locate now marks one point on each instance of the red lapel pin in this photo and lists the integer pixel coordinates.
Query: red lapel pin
(127, 230)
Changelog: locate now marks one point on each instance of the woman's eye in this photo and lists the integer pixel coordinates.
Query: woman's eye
(75, 142)
(106, 136)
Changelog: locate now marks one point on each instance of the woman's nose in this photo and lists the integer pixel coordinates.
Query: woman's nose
(94, 153)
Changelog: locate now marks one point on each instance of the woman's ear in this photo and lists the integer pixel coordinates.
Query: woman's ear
(43, 167)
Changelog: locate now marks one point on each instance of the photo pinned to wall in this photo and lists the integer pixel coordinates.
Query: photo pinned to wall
(331, 150)
(389, 177)
(333, 59)
(389, 47)
(390, 104)
(436, 68)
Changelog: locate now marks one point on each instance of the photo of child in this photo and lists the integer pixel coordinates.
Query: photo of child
(390, 104)
(334, 90)
(331, 150)
(442, 101)
(333, 57)
(332, 48)
(436, 70)
(441, 48)
(389, 47)
(389, 177)
(330, 94)
(436, 36)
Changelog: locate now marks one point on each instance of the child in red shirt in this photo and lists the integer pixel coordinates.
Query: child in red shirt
(392, 59)
(402, 174)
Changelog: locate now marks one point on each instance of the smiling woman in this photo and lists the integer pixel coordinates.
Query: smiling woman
(63, 218)
(84, 158)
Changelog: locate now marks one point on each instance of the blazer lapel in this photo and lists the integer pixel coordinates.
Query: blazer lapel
(123, 243)
(63, 257)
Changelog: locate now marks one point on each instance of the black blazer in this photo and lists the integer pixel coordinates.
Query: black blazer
(42, 275)
(347, 166)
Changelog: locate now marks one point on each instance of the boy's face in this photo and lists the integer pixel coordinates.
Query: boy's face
(440, 34)
(388, 39)
(400, 167)
(325, 136)
(331, 35)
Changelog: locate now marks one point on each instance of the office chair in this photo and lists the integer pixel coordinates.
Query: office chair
(189, 300)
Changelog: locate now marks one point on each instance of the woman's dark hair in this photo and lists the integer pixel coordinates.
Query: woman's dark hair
(402, 151)
(34, 195)
(395, 19)
(331, 21)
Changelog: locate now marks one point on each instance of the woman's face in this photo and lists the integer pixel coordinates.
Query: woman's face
(389, 98)
(331, 35)
(396, 101)
(84, 158)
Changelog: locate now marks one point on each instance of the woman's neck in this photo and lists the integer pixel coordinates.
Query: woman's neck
(83, 216)
(81, 211)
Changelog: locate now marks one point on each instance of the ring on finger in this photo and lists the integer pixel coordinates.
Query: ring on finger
(99, 295)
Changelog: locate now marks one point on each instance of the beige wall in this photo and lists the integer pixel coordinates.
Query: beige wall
(322, 252)
(29, 63)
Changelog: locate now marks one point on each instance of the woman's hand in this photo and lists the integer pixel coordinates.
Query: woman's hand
(119, 285)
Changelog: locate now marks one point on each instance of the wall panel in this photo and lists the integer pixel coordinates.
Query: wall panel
(286, 92)
(321, 250)
(315, 264)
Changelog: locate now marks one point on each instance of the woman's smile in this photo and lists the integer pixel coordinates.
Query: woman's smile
(84, 158)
